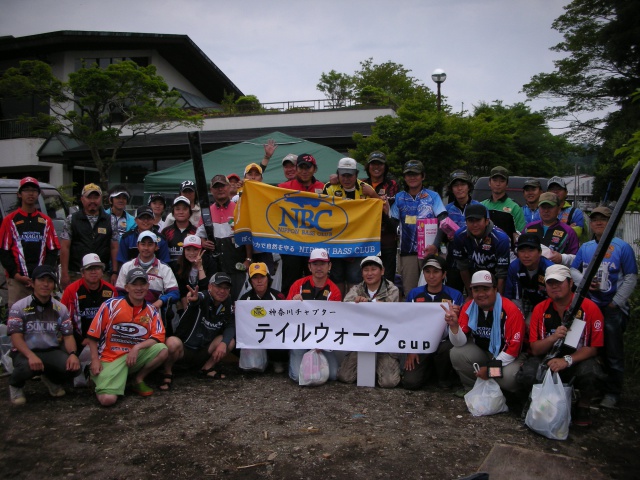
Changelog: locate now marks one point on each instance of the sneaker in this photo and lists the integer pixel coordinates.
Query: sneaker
(278, 367)
(142, 389)
(582, 417)
(55, 390)
(17, 396)
(609, 401)
(461, 392)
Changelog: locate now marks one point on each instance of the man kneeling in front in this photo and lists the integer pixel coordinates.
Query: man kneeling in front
(126, 338)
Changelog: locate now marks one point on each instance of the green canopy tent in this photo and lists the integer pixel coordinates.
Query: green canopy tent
(235, 158)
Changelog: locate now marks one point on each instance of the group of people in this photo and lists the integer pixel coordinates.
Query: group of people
(142, 292)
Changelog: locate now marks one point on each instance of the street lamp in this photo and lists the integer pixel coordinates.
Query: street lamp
(439, 76)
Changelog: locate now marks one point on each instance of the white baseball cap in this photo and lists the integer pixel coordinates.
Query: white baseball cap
(319, 255)
(482, 278)
(347, 165)
(371, 259)
(192, 241)
(90, 260)
(557, 272)
(148, 234)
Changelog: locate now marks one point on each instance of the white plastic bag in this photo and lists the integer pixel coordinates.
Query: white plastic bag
(5, 353)
(485, 398)
(253, 359)
(550, 411)
(314, 369)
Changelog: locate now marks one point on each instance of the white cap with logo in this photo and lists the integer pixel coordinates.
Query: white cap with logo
(482, 278)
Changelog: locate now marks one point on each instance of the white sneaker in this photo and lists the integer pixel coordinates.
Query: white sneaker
(55, 390)
(17, 396)
(609, 401)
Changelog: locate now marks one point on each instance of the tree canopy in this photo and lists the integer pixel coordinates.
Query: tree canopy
(102, 108)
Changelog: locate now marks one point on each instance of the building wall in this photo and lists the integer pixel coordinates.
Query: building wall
(19, 158)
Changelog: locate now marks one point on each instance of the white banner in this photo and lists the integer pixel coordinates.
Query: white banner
(362, 327)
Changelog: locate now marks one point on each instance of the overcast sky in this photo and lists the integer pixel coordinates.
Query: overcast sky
(278, 49)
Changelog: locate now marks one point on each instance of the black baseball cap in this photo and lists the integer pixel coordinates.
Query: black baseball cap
(220, 278)
(529, 240)
(144, 210)
(45, 271)
(187, 185)
(475, 210)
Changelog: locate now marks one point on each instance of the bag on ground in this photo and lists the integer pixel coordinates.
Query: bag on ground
(485, 398)
(253, 359)
(314, 369)
(550, 411)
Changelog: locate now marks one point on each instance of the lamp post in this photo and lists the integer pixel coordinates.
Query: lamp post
(439, 76)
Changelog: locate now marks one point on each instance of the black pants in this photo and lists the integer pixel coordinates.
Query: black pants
(55, 368)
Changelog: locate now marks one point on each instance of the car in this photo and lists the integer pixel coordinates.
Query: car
(481, 190)
(51, 203)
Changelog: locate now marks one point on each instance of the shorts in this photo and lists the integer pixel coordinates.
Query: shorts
(113, 377)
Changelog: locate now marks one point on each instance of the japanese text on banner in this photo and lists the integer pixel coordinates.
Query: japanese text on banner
(364, 327)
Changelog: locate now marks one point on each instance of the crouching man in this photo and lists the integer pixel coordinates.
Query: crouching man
(490, 327)
(546, 328)
(126, 338)
(34, 324)
(206, 332)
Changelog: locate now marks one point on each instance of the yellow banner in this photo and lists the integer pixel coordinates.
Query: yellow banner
(290, 222)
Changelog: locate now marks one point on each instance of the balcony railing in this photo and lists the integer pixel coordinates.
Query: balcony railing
(15, 129)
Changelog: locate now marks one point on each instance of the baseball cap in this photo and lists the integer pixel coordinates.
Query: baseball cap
(118, 193)
(192, 241)
(548, 198)
(90, 188)
(290, 157)
(460, 175)
(187, 185)
(258, 268)
(45, 271)
(233, 175)
(252, 166)
(601, 210)
(529, 240)
(91, 260)
(499, 172)
(157, 196)
(144, 210)
(147, 234)
(27, 181)
(482, 278)
(532, 182)
(557, 272)
(377, 157)
(347, 165)
(135, 273)
(558, 181)
(475, 210)
(219, 179)
(414, 166)
(371, 259)
(181, 199)
(306, 158)
(435, 261)
(319, 255)
(220, 278)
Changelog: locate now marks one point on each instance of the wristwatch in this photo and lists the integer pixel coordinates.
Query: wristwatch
(568, 359)
(73, 353)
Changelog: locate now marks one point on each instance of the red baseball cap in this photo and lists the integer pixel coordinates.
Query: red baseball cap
(28, 180)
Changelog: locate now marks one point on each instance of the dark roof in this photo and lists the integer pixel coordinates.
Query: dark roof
(176, 145)
(178, 50)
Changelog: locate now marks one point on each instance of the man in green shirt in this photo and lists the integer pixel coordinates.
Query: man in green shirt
(504, 212)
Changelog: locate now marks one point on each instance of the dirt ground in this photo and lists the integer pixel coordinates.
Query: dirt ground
(253, 426)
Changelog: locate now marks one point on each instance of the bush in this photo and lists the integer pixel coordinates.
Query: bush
(248, 103)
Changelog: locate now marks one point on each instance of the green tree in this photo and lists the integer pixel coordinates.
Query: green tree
(595, 80)
(248, 103)
(102, 108)
(389, 77)
(337, 87)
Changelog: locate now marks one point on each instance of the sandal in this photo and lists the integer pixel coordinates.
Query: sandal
(142, 389)
(167, 382)
(216, 375)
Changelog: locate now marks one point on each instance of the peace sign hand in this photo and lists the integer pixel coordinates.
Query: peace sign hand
(192, 296)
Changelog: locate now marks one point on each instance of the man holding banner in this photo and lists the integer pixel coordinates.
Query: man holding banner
(413, 207)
